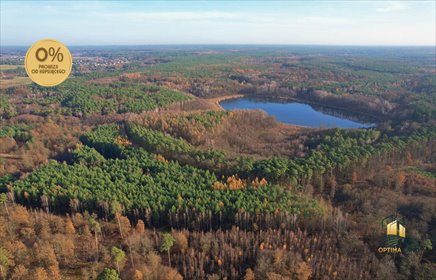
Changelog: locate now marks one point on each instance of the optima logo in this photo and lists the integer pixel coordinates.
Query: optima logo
(395, 235)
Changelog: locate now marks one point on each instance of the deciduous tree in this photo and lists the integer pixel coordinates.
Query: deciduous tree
(167, 242)
(118, 256)
(4, 262)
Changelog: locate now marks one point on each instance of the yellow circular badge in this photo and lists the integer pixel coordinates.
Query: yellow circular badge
(48, 62)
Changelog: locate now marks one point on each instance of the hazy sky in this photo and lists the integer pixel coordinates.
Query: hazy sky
(214, 22)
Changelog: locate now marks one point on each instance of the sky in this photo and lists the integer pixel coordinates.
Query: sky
(219, 22)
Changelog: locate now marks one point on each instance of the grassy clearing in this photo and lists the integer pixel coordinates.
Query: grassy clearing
(17, 81)
(4, 67)
(422, 172)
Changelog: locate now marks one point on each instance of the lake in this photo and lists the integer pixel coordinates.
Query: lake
(297, 113)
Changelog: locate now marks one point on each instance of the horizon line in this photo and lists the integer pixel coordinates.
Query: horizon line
(232, 44)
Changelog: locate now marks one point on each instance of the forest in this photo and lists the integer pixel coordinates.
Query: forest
(131, 169)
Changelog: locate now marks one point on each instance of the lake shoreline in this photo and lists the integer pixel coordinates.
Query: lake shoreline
(217, 100)
(310, 102)
(306, 114)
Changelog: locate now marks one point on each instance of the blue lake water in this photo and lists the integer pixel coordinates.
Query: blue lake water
(295, 113)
